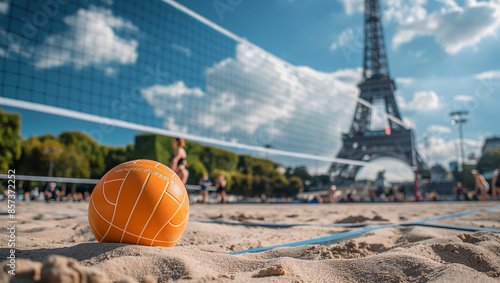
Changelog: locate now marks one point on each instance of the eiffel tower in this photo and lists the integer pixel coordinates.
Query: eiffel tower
(361, 143)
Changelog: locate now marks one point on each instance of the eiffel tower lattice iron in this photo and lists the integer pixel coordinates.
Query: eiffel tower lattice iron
(361, 143)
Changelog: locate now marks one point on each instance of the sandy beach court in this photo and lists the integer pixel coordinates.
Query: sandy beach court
(385, 254)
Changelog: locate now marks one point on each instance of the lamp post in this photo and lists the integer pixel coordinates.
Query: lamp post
(459, 119)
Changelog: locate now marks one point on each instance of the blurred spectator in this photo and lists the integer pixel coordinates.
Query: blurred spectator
(481, 185)
(52, 193)
(35, 193)
(372, 195)
(204, 183)
(434, 196)
(221, 189)
(459, 191)
(331, 194)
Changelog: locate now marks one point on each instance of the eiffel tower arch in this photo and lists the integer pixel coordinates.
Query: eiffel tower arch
(361, 143)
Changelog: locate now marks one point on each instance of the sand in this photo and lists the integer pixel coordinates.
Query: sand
(54, 243)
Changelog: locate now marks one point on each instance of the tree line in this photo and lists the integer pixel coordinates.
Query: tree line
(77, 155)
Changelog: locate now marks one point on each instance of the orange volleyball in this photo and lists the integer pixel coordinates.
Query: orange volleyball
(139, 202)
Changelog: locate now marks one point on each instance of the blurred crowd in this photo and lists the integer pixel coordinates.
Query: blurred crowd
(391, 194)
(51, 193)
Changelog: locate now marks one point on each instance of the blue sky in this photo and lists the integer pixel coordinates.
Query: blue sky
(442, 55)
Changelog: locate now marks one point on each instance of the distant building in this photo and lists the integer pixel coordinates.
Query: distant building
(490, 144)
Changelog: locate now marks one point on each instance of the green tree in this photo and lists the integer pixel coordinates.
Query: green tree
(279, 186)
(465, 176)
(144, 147)
(72, 164)
(260, 184)
(114, 157)
(322, 179)
(37, 153)
(244, 164)
(242, 184)
(10, 140)
(196, 170)
(78, 148)
(32, 161)
(489, 161)
(301, 173)
(295, 186)
(225, 160)
(263, 167)
(153, 147)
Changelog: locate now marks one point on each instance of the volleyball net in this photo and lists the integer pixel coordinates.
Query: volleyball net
(158, 67)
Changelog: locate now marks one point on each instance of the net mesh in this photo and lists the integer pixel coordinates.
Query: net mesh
(159, 65)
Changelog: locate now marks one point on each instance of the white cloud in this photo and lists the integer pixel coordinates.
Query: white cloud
(110, 71)
(422, 101)
(444, 151)
(395, 170)
(417, 54)
(352, 76)
(225, 101)
(171, 125)
(404, 12)
(265, 101)
(91, 40)
(438, 130)
(353, 6)
(13, 43)
(4, 7)
(488, 75)
(450, 4)
(409, 123)
(161, 97)
(349, 41)
(183, 49)
(179, 106)
(453, 27)
(464, 98)
(174, 90)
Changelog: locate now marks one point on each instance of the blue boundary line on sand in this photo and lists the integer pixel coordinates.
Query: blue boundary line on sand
(447, 216)
(345, 235)
(288, 225)
(314, 241)
(455, 227)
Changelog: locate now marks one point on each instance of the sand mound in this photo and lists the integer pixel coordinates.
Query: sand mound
(54, 269)
(360, 219)
(246, 217)
(475, 256)
(398, 254)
